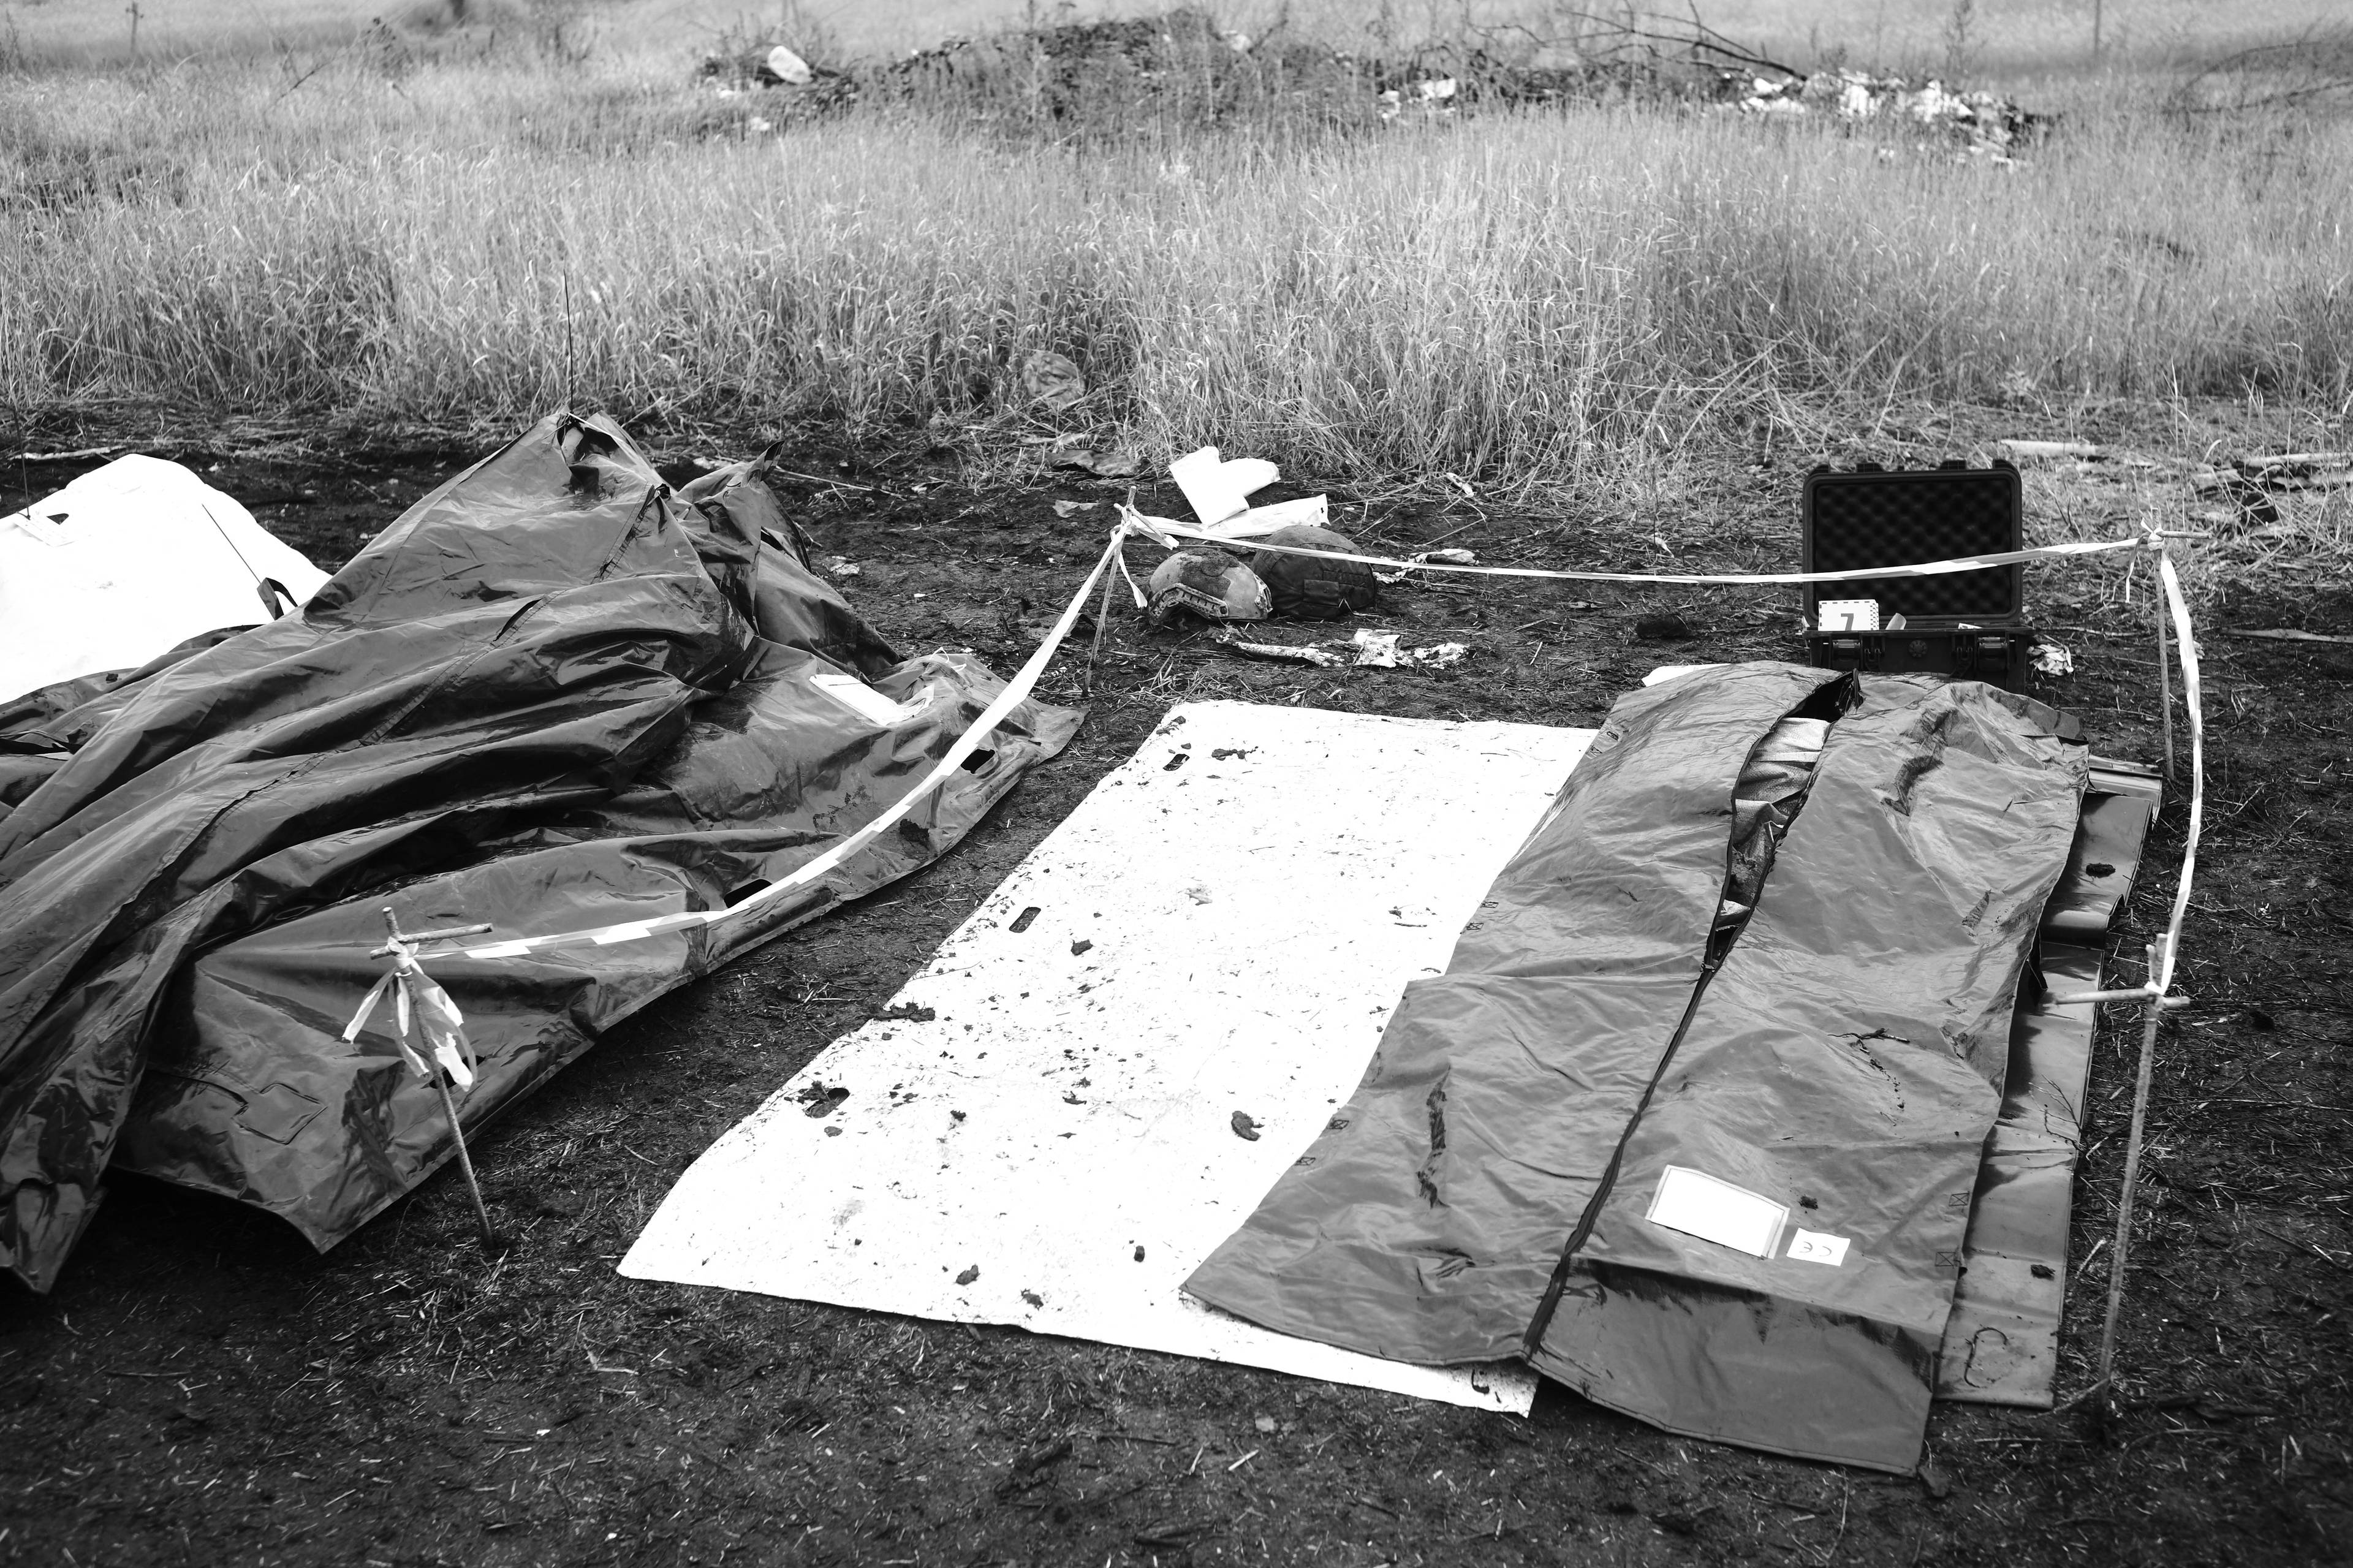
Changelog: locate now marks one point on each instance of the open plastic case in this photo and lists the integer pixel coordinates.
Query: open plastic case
(1964, 625)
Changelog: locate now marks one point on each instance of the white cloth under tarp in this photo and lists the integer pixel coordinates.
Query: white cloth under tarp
(1101, 1072)
(126, 563)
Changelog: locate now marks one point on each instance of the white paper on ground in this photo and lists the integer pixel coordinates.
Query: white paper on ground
(1258, 522)
(1698, 1204)
(1222, 926)
(124, 564)
(1218, 488)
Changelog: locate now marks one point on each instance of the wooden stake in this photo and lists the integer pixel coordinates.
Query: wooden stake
(2152, 1012)
(465, 1161)
(1103, 608)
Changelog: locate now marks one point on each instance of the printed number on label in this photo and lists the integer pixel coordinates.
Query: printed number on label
(1814, 1247)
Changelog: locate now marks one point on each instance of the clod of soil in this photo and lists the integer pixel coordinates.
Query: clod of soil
(821, 1100)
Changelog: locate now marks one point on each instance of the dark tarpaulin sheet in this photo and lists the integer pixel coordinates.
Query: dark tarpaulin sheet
(2001, 1341)
(1485, 1191)
(551, 695)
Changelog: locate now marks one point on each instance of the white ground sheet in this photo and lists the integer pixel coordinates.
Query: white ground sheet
(1221, 935)
(124, 564)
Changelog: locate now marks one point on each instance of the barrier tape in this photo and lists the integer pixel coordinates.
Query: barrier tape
(1161, 530)
(2161, 956)
(2158, 985)
(1017, 691)
(2153, 993)
(2160, 980)
(2186, 653)
(1165, 533)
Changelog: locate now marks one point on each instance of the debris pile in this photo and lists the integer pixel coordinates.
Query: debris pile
(1065, 73)
(1114, 76)
(1981, 124)
(2248, 485)
(1432, 98)
(1368, 649)
(1295, 568)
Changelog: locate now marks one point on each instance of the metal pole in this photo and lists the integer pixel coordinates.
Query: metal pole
(2124, 1203)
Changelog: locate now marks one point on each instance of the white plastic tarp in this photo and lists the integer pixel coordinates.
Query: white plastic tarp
(1206, 948)
(124, 564)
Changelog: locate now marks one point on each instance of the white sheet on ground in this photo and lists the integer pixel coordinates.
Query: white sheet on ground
(1220, 929)
(124, 564)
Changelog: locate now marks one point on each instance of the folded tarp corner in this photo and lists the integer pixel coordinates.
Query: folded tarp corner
(124, 562)
(553, 694)
(1825, 1075)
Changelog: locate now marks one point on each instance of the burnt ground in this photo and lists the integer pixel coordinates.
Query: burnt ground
(201, 1388)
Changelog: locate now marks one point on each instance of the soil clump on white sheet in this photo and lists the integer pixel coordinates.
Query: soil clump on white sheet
(202, 1388)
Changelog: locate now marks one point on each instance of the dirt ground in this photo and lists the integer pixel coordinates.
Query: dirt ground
(201, 1389)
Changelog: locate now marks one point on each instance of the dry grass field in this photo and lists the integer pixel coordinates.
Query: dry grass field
(329, 263)
(381, 236)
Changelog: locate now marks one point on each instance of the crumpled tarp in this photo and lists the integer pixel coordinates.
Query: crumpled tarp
(1485, 1192)
(552, 695)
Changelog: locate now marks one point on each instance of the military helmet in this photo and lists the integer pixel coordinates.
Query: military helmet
(1208, 582)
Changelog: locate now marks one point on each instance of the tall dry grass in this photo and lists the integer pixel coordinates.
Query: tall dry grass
(1541, 296)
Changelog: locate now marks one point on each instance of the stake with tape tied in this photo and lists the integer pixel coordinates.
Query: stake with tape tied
(2156, 993)
(448, 1054)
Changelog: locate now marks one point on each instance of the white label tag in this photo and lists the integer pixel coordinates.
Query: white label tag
(1815, 1247)
(860, 698)
(1698, 1204)
(1847, 616)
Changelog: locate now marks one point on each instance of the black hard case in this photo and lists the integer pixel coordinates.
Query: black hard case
(1964, 625)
